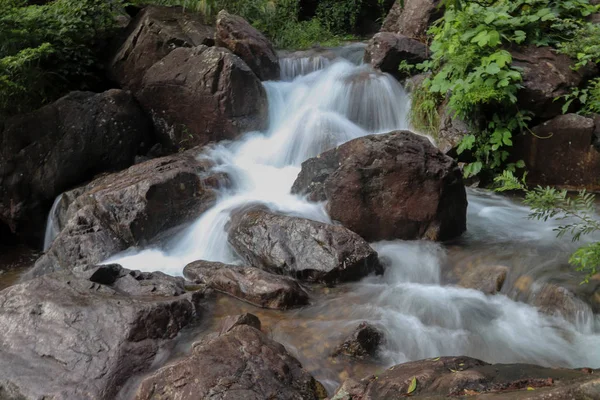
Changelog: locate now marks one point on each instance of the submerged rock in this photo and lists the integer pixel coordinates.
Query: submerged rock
(154, 33)
(363, 342)
(386, 51)
(250, 284)
(488, 279)
(463, 376)
(61, 145)
(241, 364)
(305, 249)
(556, 300)
(236, 34)
(66, 337)
(200, 95)
(129, 208)
(390, 186)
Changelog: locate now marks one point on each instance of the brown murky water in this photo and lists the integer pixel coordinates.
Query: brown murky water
(14, 260)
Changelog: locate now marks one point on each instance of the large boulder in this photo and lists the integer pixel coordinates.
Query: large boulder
(129, 208)
(547, 75)
(250, 284)
(154, 33)
(236, 34)
(305, 249)
(387, 50)
(412, 17)
(449, 377)
(560, 153)
(199, 95)
(390, 186)
(242, 364)
(61, 145)
(67, 337)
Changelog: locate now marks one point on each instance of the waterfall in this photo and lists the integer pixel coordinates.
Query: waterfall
(53, 225)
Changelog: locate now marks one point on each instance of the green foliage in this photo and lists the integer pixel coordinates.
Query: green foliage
(471, 66)
(48, 50)
(424, 114)
(577, 212)
(588, 98)
(339, 16)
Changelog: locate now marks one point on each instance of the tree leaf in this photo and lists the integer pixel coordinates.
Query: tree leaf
(530, 388)
(413, 386)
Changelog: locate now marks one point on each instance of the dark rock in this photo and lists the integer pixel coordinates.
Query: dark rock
(232, 321)
(242, 364)
(451, 130)
(128, 208)
(305, 249)
(412, 17)
(546, 76)
(61, 145)
(560, 153)
(390, 186)
(154, 33)
(488, 279)
(387, 50)
(64, 337)
(201, 95)
(236, 34)
(363, 342)
(249, 284)
(556, 300)
(463, 376)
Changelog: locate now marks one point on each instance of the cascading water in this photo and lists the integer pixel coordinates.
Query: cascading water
(337, 102)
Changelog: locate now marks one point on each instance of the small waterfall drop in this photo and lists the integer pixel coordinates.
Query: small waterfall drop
(53, 227)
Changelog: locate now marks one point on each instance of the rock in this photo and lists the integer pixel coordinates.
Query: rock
(232, 321)
(387, 50)
(555, 300)
(201, 95)
(546, 76)
(242, 364)
(236, 34)
(249, 284)
(412, 17)
(389, 186)
(61, 145)
(153, 34)
(451, 130)
(488, 279)
(305, 249)
(129, 208)
(363, 342)
(448, 377)
(560, 153)
(65, 337)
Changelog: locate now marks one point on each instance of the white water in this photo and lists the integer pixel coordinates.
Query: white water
(336, 103)
(53, 225)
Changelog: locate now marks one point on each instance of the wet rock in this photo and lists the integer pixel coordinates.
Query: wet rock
(305, 249)
(556, 300)
(412, 17)
(236, 34)
(65, 337)
(363, 342)
(546, 76)
(560, 153)
(61, 145)
(463, 376)
(387, 50)
(232, 321)
(242, 364)
(390, 186)
(249, 284)
(200, 95)
(488, 279)
(154, 33)
(129, 208)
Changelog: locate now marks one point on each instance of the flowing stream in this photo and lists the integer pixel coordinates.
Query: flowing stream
(325, 101)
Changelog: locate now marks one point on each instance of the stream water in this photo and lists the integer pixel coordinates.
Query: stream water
(325, 101)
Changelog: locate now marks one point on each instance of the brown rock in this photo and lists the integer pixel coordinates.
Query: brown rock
(154, 33)
(201, 95)
(560, 153)
(305, 249)
(556, 300)
(242, 364)
(236, 34)
(363, 342)
(249, 284)
(412, 17)
(451, 130)
(61, 145)
(387, 50)
(232, 321)
(485, 278)
(390, 186)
